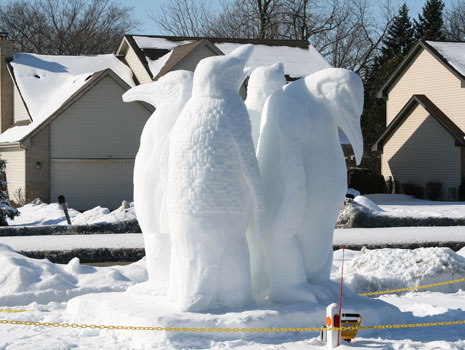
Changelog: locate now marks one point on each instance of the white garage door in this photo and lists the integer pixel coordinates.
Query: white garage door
(92, 182)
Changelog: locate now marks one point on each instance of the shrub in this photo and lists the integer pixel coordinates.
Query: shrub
(6, 210)
(462, 191)
(433, 190)
(367, 183)
(413, 190)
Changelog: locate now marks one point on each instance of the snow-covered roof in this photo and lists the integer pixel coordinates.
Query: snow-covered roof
(452, 52)
(46, 83)
(299, 57)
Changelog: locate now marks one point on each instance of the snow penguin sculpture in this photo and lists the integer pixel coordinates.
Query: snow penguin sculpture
(262, 82)
(304, 176)
(169, 95)
(213, 187)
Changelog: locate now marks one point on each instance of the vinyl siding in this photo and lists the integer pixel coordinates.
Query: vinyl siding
(137, 67)
(15, 158)
(421, 150)
(429, 77)
(191, 60)
(89, 183)
(19, 109)
(99, 125)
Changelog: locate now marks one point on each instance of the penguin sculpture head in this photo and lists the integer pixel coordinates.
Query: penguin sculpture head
(172, 88)
(214, 76)
(340, 91)
(263, 82)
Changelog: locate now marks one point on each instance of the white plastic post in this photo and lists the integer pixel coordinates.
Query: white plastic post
(332, 320)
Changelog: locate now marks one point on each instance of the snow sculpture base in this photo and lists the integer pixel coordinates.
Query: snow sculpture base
(124, 309)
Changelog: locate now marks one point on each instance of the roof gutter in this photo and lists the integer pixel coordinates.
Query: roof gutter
(12, 144)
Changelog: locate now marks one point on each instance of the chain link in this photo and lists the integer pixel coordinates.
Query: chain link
(226, 330)
(11, 311)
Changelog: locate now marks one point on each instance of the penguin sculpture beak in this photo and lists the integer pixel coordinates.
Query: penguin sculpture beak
(350, 104)
(243, 53)
(144, 92)
(352, 130)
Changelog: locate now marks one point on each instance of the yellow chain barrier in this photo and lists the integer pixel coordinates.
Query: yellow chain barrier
(251, 330)
(412, 288)
(14, 311)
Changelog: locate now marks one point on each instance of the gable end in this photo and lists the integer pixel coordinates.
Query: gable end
(432, 109)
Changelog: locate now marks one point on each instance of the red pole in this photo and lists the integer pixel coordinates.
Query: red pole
(340, 297)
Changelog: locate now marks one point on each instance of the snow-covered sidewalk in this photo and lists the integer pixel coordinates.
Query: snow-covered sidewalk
(349, 237)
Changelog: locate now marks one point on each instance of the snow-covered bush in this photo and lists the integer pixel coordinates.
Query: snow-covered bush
(6, 210)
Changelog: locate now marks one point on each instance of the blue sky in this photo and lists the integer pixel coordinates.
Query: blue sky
(149, 27)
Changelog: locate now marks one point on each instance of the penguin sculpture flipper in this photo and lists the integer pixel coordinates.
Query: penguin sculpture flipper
(292, 210)
(249, 166)
(164, 222)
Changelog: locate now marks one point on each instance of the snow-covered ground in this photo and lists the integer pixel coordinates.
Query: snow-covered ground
(46, 288)
(392, 204)
(404, 205)
(38, 214)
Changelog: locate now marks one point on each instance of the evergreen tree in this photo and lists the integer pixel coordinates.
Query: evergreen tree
(5, 208)
(399, 36)
(430, 24)
(396, 45)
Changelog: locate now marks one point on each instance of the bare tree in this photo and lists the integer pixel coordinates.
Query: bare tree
(347, 32)
(455, 21)
(185, 18)
(70, 27)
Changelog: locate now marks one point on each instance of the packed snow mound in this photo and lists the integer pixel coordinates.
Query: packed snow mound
(41, 214)
(401, 205)
(386, 269)
(24, 280)
(368, 203)
(353, 192)
(382, 198)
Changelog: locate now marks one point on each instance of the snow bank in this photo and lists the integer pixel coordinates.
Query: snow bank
(401, 205)
(367, 212)
(367, 203)
(24, 280)
(41, 214)
(386, 269)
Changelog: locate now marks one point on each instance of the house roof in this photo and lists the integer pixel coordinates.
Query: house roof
(48, 83)
(450, 53)
(181, 51)
(299, 57)
(432, 109)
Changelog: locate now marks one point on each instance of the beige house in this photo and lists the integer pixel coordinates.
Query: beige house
(425, 100)
(64, 129)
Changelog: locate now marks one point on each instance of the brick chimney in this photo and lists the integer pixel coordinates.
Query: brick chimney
(6, 83)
